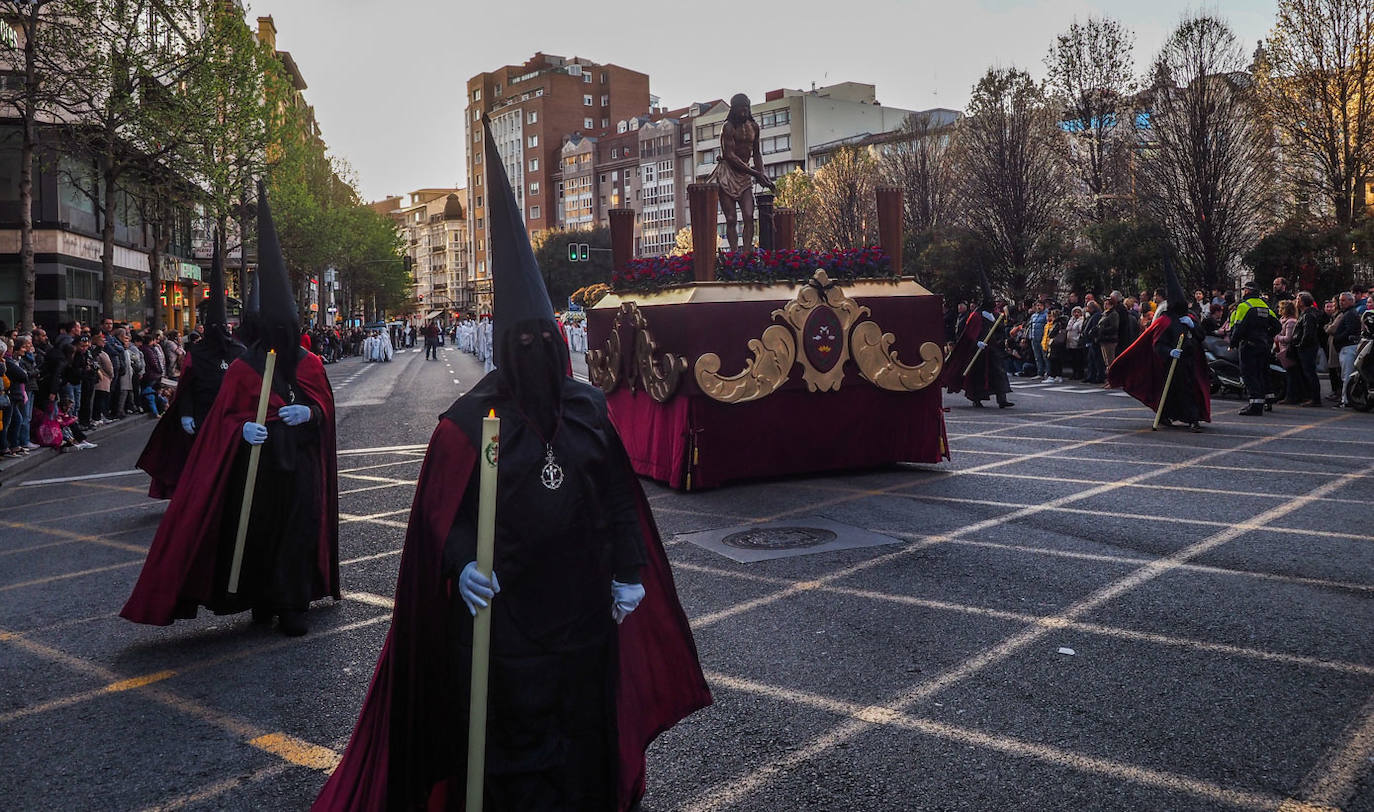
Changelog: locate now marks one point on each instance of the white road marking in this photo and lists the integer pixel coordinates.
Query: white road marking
(80, 478)
(382, 449)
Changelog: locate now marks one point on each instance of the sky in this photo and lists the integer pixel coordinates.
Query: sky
(387, 78)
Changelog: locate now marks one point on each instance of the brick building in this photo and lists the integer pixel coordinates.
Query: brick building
(533, 107)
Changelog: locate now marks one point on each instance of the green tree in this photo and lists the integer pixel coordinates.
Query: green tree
(563, 277)
(843, 211)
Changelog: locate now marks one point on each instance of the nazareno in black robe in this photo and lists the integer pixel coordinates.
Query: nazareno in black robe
(574, 699)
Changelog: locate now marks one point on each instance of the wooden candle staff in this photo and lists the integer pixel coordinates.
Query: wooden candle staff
(250, 483)
(1168, 381)
(481, 624)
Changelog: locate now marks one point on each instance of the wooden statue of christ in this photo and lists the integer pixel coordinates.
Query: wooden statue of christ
(739, 147)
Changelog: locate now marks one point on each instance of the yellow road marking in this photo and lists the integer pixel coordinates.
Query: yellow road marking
(1335, 779)
(64, 576)
(71, 536)
(297, 751)
(370, 599)
(138, 682)
(219, 788)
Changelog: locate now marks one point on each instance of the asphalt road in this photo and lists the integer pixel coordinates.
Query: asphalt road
(1073, 613)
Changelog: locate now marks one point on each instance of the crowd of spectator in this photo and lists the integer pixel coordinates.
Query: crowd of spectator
(55, 390)
(1078, 338)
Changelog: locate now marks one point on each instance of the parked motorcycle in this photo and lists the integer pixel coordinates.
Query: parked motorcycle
(1223, 369)
(1357, 387)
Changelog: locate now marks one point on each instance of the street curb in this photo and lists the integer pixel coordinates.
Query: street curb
(12, 468)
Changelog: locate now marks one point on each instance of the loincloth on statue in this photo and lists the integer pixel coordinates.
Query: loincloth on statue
(734, 184)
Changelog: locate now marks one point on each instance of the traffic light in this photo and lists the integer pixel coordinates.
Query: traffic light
(578, 251)
(572, 252)
(582, 252)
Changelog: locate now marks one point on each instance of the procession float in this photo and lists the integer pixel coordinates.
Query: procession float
(726, 366)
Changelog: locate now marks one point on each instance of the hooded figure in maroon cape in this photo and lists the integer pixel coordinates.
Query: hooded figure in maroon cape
(987, 377)
(1142, 368)
(591, 655)
(202, 374)
(291, 551)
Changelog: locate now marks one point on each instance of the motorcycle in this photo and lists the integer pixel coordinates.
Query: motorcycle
(1357, 387)
(1223, 370)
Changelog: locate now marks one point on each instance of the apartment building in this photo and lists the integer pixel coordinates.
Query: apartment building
(533, 107)
(435, 229)
(792, 121)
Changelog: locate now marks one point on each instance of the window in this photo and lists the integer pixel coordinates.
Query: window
(539, 91)
(615, 152)
(533, 141)
(477, 94)
(479, 201)
(479, 222)
(586, 124)
(534, 212)
(497, 89)
(477, 157)
(476, 136)
(586, 78)
(603, 77)
(605, 122)
(616, 174)
(587, 100)
(775, 118)
(534, 165)
(605, 101)
(534, 116)
(601, 178)
(534, 188)
(709, 131)
(476, 114)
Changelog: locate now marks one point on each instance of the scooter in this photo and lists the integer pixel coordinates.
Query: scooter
(1223, 370)
(1358, 386)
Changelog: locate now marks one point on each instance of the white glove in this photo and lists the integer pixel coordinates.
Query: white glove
(982, 345)
(188, 425)
(1175, 353)
(254, 433)
(989, 316)
(625, 599)
(475, 588)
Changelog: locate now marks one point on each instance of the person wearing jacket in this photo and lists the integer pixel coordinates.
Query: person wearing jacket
(133, 374)
(152, 374)
(1253, 327)
(1345, 339)
(1283, 342)
(104, 369)
(1096, 370)
(1039, 323)
(1302, 348)
(1109, 330)
(1073, 342)
(1055, 344)
(119, 363)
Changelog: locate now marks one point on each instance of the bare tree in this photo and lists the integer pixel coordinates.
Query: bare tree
(29, 91)
(844, 214)
(921, 162)
(1206, 161)
(1316, 80)
(1091, 73)
(1011, 166)
(126, 62)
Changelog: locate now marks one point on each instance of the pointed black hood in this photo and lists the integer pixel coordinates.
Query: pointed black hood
(518, 290)
(1174, 293)
(216, 311)
(989, 301)
(278, 321)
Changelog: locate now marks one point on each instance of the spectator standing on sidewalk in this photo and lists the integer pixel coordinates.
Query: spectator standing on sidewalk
(88, 376)
(1096, 370)
(152, 374)
(1109, 330)
(1039, 323)
(27, 365)
(1307, 335)
(104, 369)
(1345, 337)
(134, 374)
(1283, 348)
(119, 363)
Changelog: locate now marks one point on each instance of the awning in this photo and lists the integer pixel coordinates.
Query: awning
(433, 314)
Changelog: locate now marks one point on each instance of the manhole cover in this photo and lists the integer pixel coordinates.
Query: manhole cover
(779, 538)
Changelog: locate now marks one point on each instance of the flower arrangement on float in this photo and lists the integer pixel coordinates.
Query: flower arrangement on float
(756, 267)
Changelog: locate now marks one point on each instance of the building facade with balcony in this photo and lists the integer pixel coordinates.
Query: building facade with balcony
(434, 225)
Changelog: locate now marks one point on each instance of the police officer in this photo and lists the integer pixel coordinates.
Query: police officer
(1253, 327)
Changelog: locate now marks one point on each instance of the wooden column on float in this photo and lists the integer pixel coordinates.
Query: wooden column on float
(622, 237)
(784, 229)
(703, 199)
(890, 225)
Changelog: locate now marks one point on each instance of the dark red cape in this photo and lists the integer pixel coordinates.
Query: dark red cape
(164, 457)
(181, 562)
(660, 679)
(975, 327)
(1140, 370)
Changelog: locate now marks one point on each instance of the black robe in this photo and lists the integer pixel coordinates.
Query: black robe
(987, 377)
(1184, 401)
(552, 710)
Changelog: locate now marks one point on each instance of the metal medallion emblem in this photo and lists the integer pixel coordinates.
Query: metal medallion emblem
(552, 475)
(779, 538)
